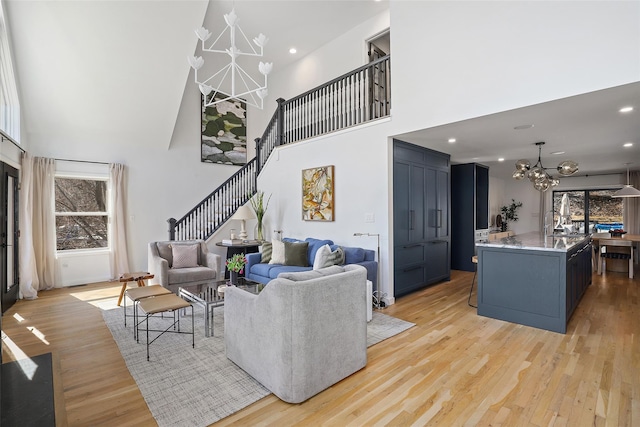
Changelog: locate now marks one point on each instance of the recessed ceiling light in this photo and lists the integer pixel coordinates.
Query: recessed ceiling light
(522, 127)
(451, 140)
(501, 159)
(557, 152)
(626, 109)
(628, 144)
(293, 50)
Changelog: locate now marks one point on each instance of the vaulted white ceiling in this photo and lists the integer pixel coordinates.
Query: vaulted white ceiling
(100, 70)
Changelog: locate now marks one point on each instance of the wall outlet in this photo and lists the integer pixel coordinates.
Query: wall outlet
(369, 217)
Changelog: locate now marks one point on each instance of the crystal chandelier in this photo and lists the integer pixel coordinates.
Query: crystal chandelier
(232, 75)
(538, 174)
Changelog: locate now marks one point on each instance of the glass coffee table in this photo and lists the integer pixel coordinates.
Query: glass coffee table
(211, 295)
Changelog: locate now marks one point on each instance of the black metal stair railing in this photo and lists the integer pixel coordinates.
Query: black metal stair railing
(357, 97)
(354, 98)
(216, 209)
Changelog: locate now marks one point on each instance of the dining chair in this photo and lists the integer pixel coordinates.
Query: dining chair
(595, 249)
(604, 253)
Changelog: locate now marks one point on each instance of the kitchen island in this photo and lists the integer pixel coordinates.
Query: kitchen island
(532, 279)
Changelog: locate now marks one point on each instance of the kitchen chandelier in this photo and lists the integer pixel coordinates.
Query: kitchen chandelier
(232, 74)
(538, 174)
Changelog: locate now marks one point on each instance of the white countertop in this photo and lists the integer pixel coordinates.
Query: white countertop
(536, 241)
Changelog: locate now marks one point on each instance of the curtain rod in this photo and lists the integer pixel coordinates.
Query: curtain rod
(81, 161)
(6, 137)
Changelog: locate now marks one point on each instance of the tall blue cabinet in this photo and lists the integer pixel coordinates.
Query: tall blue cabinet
(421, 219)
(469, 212)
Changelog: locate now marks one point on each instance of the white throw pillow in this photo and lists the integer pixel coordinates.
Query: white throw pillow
(184, 256)
(326, 258)
(322, 255)
(277, 252)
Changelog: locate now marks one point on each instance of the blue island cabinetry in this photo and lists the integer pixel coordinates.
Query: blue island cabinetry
(533, 280)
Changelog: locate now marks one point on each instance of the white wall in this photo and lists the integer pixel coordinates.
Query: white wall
(496, 199)
(337, 57)
(360, 157)
(161, 182)
(457, 60)
(592, 182)
(529, 213)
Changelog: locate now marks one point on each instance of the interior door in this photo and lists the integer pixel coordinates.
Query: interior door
(378, 83)
(9, 279)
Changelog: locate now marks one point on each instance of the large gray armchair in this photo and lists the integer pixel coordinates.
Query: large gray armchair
(303, 333)
(201, 267)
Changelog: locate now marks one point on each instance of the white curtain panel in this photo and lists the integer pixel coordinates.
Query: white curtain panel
(118, 257)
(29, 283)
(43, 221)
(37, 226)
(543, 208)
(632, 206)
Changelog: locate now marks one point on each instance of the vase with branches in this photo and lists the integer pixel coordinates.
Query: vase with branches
(259, 207)
(510, 213)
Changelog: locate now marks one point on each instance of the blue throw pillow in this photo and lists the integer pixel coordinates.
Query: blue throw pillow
(353, 255)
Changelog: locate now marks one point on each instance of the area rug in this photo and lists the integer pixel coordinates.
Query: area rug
(198, 386)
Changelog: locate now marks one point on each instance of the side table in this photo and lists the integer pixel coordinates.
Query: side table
(139, 277)
(238, 248)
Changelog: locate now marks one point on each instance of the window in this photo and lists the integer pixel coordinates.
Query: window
(9, 104)
(596, 208)
(81, 213)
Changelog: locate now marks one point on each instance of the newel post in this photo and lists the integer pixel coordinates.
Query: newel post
(280, 134)
(172, 228)
(258, 159)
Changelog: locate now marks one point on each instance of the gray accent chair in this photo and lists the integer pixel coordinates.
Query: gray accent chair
(303, 333)
(160, 264)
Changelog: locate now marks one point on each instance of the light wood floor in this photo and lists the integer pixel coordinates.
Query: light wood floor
(453, 369)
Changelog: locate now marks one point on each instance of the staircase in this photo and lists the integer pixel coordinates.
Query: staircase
(357, 97)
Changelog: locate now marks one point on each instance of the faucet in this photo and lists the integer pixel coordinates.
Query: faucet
(546, 224)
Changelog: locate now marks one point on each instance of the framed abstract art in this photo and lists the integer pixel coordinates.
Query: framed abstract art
(224, 133)
(317, 194)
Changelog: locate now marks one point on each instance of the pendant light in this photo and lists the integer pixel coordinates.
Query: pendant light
(537, 173)
(628, 190)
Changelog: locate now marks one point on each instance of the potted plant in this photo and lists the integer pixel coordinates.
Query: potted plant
(259, 207)
(235, 265)
(510, 213)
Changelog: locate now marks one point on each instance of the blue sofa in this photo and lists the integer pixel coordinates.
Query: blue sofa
(264, 273)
